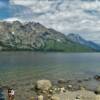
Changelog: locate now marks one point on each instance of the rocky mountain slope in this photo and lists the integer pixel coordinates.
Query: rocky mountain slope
(78, 39)
(35, 37)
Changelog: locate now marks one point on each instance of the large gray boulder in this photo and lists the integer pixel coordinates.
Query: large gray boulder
(97, 90)
(43, 85)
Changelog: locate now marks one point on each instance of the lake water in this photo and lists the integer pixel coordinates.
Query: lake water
(36, 65)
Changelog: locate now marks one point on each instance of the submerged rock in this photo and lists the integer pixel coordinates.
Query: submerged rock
(61, 81)
(97, 77)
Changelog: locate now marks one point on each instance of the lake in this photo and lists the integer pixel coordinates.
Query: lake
(18, 66)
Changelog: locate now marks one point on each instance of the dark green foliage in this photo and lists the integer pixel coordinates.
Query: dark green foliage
(68, 46)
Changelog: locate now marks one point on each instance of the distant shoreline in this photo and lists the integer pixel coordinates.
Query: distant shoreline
(47, 51)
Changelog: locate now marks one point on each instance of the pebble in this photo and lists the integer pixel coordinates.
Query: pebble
(69, 86)
(62, 89)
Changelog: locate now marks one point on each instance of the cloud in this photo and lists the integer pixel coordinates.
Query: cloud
(80, 16)
(12, 19)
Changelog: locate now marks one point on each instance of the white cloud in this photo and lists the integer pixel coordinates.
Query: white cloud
(21, 2)
(63, 15)
(12, 19)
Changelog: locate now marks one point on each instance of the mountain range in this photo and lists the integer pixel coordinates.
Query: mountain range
(33, 36)
(78, 39)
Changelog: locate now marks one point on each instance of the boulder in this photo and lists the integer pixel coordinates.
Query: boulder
(82, 88)
(78, 97)
(97, 90)
(40, 97)
(70, 86)
(97, 97)
(43, 85)
(62, 90)
(97, 77)
(55, 97)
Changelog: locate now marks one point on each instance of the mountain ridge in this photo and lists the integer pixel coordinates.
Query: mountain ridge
(36, 37)
(78, 39)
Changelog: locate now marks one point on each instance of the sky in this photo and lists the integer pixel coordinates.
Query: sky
(67, 16)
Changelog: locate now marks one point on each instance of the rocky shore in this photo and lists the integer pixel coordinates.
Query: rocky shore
(47, 90)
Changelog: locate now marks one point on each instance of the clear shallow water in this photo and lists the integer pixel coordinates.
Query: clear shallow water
(36, 65)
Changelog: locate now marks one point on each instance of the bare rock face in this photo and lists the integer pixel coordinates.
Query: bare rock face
(43, 85)
(34, 36)
(30, 36)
